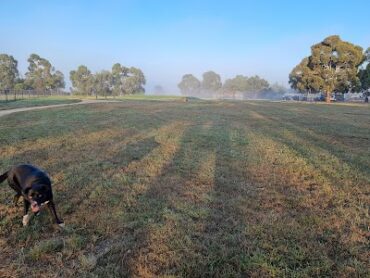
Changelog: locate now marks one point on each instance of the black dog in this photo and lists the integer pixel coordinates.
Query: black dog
(35, 187)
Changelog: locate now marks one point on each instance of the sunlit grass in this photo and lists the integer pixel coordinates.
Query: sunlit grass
(134, 97)
(166, 188)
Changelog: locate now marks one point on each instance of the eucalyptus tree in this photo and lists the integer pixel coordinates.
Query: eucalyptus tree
(332, 66)
(134, 82)
(256, 84)
(103, 83)
(246, 84)
(304, 79)
(42, 75)
(57, 80)
(364, 74)
(8, 72)
(82, 80)
(237, 84)
(189, 85)
(211, 81)
(119, 74)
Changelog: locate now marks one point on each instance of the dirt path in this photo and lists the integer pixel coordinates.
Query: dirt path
(10, 111)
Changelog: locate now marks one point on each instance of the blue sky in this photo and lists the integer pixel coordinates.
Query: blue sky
(167, 39)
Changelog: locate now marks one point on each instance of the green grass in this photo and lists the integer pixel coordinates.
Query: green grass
(203, 188)
(38, 101)
(150, 97)
(137, 97)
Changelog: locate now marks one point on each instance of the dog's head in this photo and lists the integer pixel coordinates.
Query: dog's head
(38, 195)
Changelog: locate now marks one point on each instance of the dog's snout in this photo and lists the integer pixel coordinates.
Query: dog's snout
(34, 206)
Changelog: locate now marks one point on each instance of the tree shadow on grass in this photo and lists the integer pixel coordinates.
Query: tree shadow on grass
(311, 212)
(85, 184)
(189, 221)
(156, 227)
(88, 186)
(306, 141)
(223, 246)
(85, 178)
(85, 181)
(218, 234)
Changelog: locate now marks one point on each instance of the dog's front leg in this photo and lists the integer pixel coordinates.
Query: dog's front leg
(26, 216)
(16, 199)
(53, 211)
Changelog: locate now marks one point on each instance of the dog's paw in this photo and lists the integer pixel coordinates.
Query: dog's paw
(62, 225)
(25, 220)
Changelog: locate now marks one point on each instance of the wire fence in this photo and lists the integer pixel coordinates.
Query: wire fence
(12, 95)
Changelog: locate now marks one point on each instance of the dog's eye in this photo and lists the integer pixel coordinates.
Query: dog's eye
(39, 196)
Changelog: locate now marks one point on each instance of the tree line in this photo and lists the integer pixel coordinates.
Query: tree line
(334, 66)
(119, 81)
(41, 75)
(238, 87)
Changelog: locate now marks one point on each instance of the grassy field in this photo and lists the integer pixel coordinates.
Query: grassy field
(196, 189)
(136, 97)
(51, 100)
(39, 101)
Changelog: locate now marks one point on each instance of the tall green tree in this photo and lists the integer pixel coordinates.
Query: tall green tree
(255, 84)
(20, 84)
(119, 74)
(127, 81)
(233, 85)
(103, 83)
(211, 81)
(57, 80)
(82, 80)
(120, 81)
(335, 63)
(8, 72)
(134, 82)
(237, 84)
(304, 79)
(41, 74)
(189, 85)
(364, 74)
(245, 85)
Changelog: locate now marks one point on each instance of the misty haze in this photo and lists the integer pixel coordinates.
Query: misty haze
(184, 138)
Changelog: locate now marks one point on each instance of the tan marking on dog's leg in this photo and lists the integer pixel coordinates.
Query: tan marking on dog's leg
(26, 219)
(16, 199)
